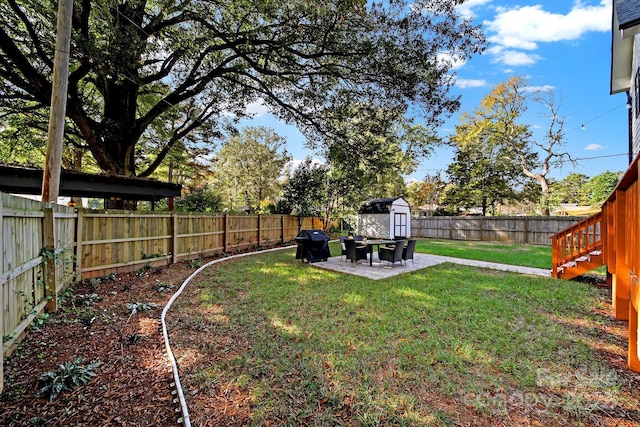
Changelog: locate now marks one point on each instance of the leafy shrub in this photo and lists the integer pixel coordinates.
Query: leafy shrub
(87, 316)
(68, 376)
(88, 300)
(39, 321)
(195, 263)
(199, 199)
(134, 307)
(162, 286)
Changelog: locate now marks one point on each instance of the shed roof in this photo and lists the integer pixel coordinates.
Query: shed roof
(22, 180)
(378, 206)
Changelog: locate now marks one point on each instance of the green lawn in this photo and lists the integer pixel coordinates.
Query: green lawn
(505, 253)
(448, 345)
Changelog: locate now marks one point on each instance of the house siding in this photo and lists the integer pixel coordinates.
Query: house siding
(620, 213)
(635, 117)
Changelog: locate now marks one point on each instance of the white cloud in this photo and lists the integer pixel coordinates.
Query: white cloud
(594, 147)
(535, 89)
(294, 163)
(467, 83)
(257, 109)
(451, 60)
(523, 28)
(254, 109)
(465, 9)
(512, 57)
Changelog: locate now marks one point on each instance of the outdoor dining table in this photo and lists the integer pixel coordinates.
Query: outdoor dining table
(374, 242)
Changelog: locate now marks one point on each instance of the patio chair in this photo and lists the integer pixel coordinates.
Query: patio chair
(398, 240)
(354, 252)
(407, 251)
(392, 255)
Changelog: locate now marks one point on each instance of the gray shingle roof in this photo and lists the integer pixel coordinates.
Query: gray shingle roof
(377, 206)
(628, 13)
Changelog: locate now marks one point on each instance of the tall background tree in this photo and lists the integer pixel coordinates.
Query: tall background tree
(482, 175)
(580, 189)
(147, 74)
(308, 191)
(573, 188)
(249, 167)
(601, 186)
(199, 199)
(427, 193)
(498, 120)
(375, 146)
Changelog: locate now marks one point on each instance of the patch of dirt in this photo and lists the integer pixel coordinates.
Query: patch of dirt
(592, 279)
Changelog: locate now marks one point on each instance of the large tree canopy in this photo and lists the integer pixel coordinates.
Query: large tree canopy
(482, 175)
(497, 122)
(146, 74)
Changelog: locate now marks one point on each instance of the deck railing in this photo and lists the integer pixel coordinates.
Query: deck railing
(579, 240)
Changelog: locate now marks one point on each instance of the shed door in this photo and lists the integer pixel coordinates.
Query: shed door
(400, 224)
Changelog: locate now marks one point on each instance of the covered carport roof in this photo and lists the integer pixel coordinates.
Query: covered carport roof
(22, 180)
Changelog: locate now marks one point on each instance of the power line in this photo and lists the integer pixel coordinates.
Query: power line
(602, 157)
(582, 126)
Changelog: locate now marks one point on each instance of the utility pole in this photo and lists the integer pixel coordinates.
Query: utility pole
(51, 177)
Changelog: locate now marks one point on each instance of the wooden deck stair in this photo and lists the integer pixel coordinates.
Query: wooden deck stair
(577, 250)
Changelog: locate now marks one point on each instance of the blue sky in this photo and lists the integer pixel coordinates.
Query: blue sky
(559, 45)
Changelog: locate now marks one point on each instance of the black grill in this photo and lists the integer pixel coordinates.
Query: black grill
(313, 246)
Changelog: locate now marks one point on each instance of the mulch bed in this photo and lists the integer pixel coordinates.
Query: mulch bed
(132, 386)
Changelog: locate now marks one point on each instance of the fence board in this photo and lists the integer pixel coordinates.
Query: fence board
(135, 239)
(271, 228)
(21, 270)
(524, 230)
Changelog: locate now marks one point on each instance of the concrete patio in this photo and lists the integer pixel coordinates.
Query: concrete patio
(381, 270)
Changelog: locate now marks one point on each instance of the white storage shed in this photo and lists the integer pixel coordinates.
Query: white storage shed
(385, 218)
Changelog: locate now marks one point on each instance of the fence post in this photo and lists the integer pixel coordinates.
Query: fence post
(450, 228)
(225, 233)
(526, 230)
(50, 274)
(79, 232)
(259, 230)
(174, 238)
(555, 256)
(282, 228)
(620, 288)
(1, 302)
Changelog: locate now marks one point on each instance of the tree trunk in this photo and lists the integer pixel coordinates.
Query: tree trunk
(544, 197)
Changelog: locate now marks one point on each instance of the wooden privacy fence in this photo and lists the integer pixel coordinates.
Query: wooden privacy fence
(117, 242)
(526, 230)
(47, 247)
(38, 243)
